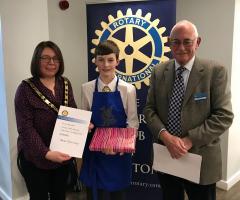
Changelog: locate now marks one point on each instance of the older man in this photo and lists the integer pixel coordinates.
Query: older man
(188, 107)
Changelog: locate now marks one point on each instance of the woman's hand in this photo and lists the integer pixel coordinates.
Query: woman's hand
(56, 156)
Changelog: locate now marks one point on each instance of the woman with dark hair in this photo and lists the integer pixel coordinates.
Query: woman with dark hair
(37, 102)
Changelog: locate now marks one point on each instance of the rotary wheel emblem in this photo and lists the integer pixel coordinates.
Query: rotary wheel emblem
(64, 112)
(140, 42)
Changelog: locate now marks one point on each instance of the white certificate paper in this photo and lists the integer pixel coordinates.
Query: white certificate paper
(70, 131)
(187, 167)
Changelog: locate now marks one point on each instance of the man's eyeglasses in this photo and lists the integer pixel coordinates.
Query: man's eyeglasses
(185, 42)
(47, 59)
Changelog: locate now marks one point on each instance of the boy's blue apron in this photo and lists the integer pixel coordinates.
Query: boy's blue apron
(101, 171)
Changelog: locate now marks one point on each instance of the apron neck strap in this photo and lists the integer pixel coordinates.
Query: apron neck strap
(116, 89)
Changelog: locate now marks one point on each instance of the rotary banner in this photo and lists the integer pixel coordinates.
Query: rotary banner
(140, 29)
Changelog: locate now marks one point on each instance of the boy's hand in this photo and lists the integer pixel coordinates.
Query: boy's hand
(90, 127)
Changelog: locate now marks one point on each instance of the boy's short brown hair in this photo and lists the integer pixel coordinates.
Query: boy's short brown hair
(107, 47)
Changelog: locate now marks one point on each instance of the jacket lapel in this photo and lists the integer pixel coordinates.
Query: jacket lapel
(194, 78)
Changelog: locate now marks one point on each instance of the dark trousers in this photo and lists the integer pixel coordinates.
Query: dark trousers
(44, 184)
(106, 195)
(173, 188)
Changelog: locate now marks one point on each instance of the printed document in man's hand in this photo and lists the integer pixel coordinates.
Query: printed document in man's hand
(70, 131)
(187, 167)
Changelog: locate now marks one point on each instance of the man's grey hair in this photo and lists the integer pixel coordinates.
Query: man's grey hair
(185, 22)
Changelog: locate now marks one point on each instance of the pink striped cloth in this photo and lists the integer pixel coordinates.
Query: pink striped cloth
(119, 139)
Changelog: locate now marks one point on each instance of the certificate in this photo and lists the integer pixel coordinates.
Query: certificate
(70, 131)
(187, 167)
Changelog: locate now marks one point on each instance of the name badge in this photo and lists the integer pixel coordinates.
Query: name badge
(200, 96)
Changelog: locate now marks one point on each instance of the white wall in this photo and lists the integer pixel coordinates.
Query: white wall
(5, 169)
(24, 24)
(233, 161)
(69, 30)
(214, 20)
